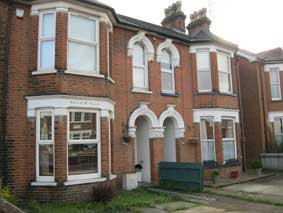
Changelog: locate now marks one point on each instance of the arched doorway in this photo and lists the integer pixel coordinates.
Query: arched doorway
(143, 148)
(169, 141)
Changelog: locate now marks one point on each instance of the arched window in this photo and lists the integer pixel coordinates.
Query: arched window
(167, 72)
(140, 76)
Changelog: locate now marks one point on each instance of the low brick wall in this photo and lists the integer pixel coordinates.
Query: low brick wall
(273, 161)
(224, 171)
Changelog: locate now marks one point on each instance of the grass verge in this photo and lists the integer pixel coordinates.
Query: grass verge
(126, 201)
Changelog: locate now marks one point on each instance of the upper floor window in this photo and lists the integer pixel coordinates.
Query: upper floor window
(203, 71)
(278, 130)
(167, 73)
(224, 73)
(83, 44)
(274, 76)
(140, 73)
(46, 46)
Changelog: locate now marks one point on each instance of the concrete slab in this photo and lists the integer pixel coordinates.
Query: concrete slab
(176, 206)
(206, 209)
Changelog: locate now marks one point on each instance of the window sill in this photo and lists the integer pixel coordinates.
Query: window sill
(144, 91)
(44, 72)
(112, 177)
(215, 93)
(169, 94)
(90, 74)
(86, 181)
(38, 183)
(111, 80)
(277, 100)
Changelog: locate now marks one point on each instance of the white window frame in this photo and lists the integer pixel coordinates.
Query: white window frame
(96, 43)
(207, 140)
(170, 71)
(91, 141)
(145, 67)
(40, 39)
(277, 117)
(229, 139)
(204, 70)
(273, 70)
(229, 72)
(44, 142)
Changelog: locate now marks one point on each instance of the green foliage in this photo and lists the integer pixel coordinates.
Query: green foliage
(7, 195)
(256, 164)
(126, 201)
(215, 173)
(104, 193)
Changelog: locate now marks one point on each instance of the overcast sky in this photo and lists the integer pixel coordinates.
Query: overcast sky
(255, 25)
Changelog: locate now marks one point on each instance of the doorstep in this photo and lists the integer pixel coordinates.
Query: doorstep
(242, 179)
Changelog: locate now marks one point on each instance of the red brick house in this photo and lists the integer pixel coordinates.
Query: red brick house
(261, 77)
(91, 93)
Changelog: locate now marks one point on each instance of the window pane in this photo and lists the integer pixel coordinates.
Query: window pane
(166, 61)
(47, 54)
(83, 159)
(278, 126)
(208, 150)
(87, 116)
(275, 91)
(224, 82)
(227, 129)
(82, 57)
(223, 63)
(82, 28)
(204, 81)
(167, 82)
(138, 56)
(80, 130)
(45, 126)
(229, 150)
(46, 160)
(48, 28)
(139, 77)
(274, 77)
(203, 60)
(207, 129)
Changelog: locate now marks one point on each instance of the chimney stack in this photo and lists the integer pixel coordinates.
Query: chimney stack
(174, 17)
(199, 21)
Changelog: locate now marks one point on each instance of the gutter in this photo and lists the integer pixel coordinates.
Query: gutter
(5, 93)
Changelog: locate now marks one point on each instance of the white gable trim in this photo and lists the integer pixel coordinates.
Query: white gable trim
(273, 115)
(216, 113)
(212, 48)
(167, 44)
(61, 103)
(269, 67)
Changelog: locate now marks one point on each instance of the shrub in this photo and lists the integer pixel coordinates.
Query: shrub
(256, 164)
(104, 193)
(215, 173)
(7, 195)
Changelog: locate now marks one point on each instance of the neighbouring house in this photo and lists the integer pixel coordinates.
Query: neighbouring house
(261, 80)
(91, 93)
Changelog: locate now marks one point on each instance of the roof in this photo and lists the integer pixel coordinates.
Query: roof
(272, 55)
(153, 28)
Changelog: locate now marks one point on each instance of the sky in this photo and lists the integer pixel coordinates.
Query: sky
(255, 25)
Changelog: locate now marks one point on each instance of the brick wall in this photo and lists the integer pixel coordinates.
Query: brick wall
(3, 31)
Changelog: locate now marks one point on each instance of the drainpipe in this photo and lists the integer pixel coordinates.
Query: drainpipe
(243, 139)
(5, 93)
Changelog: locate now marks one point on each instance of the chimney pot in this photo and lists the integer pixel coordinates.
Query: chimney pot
(199, 21)
(174, 17)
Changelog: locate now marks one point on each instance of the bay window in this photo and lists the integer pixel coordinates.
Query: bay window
(228, 139)
(207, 138)
(278, 130)
(203, 71)
(140, 76)
(224, 73)
(46, 46)
(274, 76)
(45, 146)
(84, 145)
(83, 44)
(167, 73)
